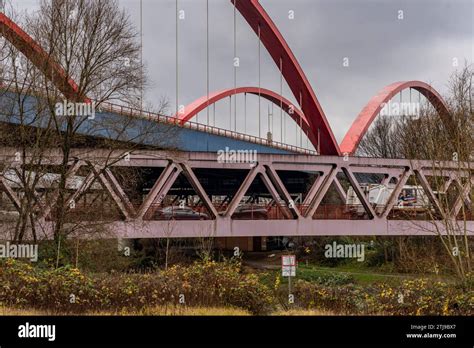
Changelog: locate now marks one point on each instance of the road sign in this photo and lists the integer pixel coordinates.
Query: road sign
(288, 265)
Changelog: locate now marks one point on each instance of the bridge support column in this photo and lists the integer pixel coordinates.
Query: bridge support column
(243, 243)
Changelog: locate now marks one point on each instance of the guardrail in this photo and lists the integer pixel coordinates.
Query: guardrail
(133, 112)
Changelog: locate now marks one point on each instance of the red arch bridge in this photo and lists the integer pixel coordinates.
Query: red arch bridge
(233, 190)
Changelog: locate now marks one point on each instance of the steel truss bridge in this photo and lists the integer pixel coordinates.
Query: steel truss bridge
(131, 213)
(289, 183)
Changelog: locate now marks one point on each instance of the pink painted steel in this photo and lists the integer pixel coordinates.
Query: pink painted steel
(329, 219)
(37, 55)
(365, 118)
(200, 104)
(278, 49)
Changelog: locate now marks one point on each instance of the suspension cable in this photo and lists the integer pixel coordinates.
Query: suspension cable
(141, 53)
(296, 133)
(259, 85)
(319, 142)
(177, 72)
(268, 119)
(273, 123)
(245, 113)
(301, 125)
(207, 57)
(235, 67)
(281, 100)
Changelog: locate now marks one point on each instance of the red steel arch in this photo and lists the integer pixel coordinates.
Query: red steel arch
(282, 55)
(365, 118)
(200, 104)
(37, 55)
(312, 117)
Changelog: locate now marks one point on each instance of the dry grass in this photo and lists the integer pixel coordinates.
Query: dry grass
(15, 311)
(171, 311)
(179, 310)
(303, 312)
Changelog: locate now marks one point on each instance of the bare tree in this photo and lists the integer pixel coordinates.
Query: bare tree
(381, 140)
(437, 139)
(95, 44)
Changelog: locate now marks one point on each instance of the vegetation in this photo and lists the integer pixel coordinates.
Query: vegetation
(182, 310)
(196, 288)
(76, 35)
(69, 290)
(412, 297)
(438, 137)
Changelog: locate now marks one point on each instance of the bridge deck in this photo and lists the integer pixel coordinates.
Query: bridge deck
(163, 131)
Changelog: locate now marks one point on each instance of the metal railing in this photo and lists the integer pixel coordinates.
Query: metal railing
(263, 211)
(133, 112)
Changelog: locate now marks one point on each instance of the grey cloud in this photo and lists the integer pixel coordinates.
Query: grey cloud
(382, 49)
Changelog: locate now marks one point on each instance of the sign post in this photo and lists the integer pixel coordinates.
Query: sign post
(288, 269)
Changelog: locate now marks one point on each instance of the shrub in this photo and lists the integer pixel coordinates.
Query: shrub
(218, 284)
(62, 289)
(67, 289)
(212, 283)
(412, 297)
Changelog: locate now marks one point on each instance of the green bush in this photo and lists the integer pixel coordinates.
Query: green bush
(412, 297)
(91, 255)
(211, 283)
(62, 289)
(218, 284)
(67, 289)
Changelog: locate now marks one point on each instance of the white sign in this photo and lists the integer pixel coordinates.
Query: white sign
(288, 265)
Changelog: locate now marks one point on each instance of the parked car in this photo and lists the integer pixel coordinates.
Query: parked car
(250, 212)
(411, 198)
(180, 213)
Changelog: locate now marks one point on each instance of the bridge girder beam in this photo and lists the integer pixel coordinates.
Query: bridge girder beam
(296, 221)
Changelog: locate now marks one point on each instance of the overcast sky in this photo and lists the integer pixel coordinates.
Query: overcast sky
(381, 49)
